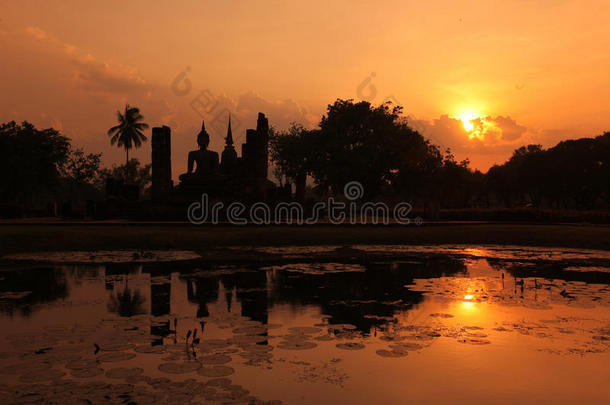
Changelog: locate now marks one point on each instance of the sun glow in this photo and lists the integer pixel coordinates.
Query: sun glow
(466, 117)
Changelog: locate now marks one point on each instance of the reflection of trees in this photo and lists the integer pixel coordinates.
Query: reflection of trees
(359, 298)
(46, 284)
(127, 302)
(78, 273)
(251, 292)
(250, 287)
(554, 270)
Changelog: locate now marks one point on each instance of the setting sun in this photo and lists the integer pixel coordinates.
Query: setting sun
(466, 118)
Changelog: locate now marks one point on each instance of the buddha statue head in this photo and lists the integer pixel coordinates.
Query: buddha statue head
(203, 139)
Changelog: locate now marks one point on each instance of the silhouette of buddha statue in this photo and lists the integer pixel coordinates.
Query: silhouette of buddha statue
(204, 160)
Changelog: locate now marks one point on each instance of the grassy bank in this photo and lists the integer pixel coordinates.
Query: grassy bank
(41, 237)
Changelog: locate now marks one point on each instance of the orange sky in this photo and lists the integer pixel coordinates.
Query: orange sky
(527, 71)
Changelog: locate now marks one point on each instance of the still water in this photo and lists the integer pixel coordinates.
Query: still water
(449, 325)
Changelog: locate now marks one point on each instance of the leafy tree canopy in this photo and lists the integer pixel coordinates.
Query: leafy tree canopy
(354, 142)
(30, 161)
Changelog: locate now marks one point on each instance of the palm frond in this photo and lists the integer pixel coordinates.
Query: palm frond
(128, 133)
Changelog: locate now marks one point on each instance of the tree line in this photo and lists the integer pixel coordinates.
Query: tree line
(374, 145)
(354, 141)
(39, 167)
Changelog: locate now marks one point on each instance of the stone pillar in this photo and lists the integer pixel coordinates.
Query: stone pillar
(262, 130)
(161, 163)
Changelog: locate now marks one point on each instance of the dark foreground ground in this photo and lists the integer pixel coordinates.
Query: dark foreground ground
(24, 237)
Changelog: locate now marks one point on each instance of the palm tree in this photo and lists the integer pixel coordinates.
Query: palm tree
(128, 133)
(126, 303)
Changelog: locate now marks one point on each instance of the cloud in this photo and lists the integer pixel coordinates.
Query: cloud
(509, 129)
(444, 131)
(54, 83)
(489, 139)
(281, 113)
(88, 72)
(488, 131)
(93, 75)
(188, 110)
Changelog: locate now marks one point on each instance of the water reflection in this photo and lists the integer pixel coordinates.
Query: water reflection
(23, 290)
(342, 332)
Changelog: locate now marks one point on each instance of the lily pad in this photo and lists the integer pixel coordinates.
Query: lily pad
(180, 368)
(81, 364)
(216, 343)
(406, 346)
(342, 326)
(215, 359)
(87, 372)
(219, 382)
(115, 356)
(441, 315)
(256, 356)
(215, 371)
(150, 349)
(474, 341)
(249, 339)
(350, 346)
(292, 345)
(116, 346)
(250, 330)
(124, 372)
(391, 353)
(25, 368)
(305, 330)
(41, 375)
(257, 348)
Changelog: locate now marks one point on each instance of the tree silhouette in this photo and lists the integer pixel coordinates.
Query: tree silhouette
(128, 134)
(571, 175)
(80, 168)
(131, 173)
(369, 144)
(30, 162)
(294, 152)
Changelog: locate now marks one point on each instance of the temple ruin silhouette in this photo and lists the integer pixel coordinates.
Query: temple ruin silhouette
(231, 176)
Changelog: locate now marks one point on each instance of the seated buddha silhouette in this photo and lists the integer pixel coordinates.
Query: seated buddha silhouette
(205, 161)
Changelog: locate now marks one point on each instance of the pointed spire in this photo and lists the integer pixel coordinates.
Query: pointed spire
(229, 138)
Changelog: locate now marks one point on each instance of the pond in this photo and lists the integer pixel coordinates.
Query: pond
(443, 325)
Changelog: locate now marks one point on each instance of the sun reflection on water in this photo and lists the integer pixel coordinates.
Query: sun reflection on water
(321, 331)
